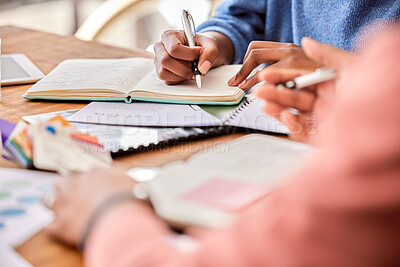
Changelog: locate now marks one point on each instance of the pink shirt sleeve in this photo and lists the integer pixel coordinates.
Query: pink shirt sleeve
(341, 209)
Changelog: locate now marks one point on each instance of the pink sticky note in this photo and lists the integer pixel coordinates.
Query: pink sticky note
(226, 194)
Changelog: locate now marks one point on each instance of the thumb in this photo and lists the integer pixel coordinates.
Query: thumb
(209, 53)
(324, 54)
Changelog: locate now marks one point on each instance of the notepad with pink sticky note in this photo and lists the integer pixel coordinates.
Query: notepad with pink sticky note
(226, 194)
(212, 187)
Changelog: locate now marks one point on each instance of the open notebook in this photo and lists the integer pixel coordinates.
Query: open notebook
(131, 79)
(212, 186)
(248, 114)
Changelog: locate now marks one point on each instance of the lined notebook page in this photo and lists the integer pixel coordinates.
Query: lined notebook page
(215, 83)
(252, 115)
(110, 74)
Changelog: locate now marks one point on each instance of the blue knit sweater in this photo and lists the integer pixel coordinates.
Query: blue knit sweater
(334, 22)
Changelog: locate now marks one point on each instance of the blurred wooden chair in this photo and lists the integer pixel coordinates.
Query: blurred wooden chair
(134, 23)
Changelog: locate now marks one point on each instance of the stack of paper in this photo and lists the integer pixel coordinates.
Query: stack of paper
(22, 213)
(54, 145)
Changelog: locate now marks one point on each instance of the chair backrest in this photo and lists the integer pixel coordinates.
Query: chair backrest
(138, 23)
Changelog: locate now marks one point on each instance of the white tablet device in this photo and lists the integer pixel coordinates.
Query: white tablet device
(18, 69)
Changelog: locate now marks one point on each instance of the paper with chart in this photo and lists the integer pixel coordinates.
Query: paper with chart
(10, 258)
(22, 213)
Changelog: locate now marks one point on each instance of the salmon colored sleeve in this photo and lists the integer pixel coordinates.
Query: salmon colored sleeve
(341, 209)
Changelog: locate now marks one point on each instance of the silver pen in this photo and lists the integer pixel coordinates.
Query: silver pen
(190, 33)
(319, 76)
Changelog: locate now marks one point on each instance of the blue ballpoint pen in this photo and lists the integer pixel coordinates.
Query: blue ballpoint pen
(190, 33)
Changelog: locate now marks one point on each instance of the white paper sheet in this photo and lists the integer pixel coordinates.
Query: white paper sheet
(144, 114)
(215, 83)
(10, 258)
(22, 213)
(112, 74)
(252, 116)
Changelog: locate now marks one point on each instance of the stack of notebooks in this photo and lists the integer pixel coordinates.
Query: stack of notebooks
(125, 87)
(53, 145)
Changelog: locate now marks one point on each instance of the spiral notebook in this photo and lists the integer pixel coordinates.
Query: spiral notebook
(248, 114)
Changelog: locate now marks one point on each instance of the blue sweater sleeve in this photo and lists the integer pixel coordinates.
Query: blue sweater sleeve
(241, 20)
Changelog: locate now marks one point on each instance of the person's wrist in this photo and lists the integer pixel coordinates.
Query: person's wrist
(137, 196)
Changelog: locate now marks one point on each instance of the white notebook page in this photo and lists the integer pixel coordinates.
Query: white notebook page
(215, 83)
(110, 74)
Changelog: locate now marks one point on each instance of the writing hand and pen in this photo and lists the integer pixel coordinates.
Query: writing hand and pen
(190, 33)
(304, 81)
(319, 76)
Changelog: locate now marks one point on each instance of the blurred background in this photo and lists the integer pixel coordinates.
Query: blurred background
(124, 23)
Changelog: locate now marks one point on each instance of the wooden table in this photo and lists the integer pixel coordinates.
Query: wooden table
(46, 51)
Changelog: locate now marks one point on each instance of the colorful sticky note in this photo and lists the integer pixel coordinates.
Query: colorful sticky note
(85, 138)
(17, 184)
(11, 212)
(6, 128)
(60, 119)
(29, 199)
(226, 194)
(44, 187)
(4, 195)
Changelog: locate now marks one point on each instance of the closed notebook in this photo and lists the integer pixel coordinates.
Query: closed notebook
(131, 79)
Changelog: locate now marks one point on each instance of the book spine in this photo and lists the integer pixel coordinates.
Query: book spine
(128, 99)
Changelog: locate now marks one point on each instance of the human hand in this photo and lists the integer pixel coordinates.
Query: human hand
(78, 196)
(309, 101)
(173, 57)
(284, 57)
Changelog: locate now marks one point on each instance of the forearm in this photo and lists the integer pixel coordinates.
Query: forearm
(127, 235)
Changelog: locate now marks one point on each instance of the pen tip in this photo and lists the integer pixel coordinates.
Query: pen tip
(198, 80)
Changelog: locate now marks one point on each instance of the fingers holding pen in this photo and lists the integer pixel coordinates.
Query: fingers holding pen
(173, 57)
(169, 69)
(209, 52)
(301, 100)
(300, 125)
(175, 45)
